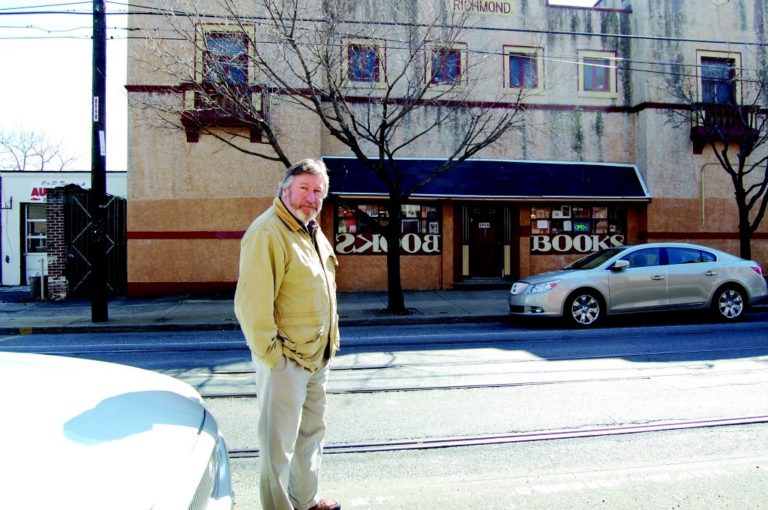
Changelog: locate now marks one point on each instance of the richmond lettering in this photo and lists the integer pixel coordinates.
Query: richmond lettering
(482, 7)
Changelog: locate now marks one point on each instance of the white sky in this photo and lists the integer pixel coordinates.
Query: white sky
(46, 83)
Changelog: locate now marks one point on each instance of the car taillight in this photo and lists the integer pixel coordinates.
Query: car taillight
(757, 269)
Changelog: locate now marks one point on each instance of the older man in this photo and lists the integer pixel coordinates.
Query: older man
(286, 305)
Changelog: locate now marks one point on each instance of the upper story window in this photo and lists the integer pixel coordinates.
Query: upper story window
(225, 68)
(523, 68)
(225, 59)
(597, 73)
(718, 111)
(447, 65)
(718, 80)
(364, 63)
(222, 95)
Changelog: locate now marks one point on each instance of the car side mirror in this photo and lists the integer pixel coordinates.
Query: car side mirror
(620, 265)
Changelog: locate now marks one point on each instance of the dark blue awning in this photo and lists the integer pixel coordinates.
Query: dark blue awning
(497, 179)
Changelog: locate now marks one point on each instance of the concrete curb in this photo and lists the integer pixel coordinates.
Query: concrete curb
(112, 327)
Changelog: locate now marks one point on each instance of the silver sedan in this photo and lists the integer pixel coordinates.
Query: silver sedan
(642, 278)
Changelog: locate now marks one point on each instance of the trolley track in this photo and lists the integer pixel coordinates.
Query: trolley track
(518, 437)
(475, 372)
(468, 386)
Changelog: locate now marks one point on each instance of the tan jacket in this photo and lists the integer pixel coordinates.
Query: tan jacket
(286, 291)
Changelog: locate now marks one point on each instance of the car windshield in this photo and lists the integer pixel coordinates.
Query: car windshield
(595, 259)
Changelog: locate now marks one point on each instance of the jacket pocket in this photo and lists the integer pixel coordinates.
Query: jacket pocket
(301, 338)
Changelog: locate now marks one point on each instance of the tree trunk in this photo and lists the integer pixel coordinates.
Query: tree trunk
(745, 242)
(745, 234)
(395, 298)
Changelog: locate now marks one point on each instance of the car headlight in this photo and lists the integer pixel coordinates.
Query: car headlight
(543, 287)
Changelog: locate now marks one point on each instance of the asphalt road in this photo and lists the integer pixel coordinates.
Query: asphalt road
(672, 414)
(689, 469)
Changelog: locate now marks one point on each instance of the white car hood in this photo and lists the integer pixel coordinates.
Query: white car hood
(90, 434)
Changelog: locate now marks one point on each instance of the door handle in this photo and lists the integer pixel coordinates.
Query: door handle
(711, 273)
(657, 277)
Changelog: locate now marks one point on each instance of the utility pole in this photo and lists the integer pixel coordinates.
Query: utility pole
(97, 199)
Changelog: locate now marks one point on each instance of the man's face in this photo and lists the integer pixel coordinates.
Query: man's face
(304, 196)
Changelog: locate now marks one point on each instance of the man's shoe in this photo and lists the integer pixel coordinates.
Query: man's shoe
(326, 504)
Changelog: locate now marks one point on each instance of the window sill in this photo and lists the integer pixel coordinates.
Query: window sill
(196, 120)
(609, 94)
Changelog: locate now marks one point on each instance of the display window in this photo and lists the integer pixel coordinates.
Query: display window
(420, 229)
(573, 228)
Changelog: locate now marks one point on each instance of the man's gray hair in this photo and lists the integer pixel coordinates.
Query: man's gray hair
(305, 166)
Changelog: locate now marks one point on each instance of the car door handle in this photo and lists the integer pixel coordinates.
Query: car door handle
(711, 273)
(657, 277)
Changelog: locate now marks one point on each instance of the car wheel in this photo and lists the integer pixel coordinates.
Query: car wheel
(584, 309)
(728, 303)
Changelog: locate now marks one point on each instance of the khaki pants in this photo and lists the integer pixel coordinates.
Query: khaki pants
(292, 403)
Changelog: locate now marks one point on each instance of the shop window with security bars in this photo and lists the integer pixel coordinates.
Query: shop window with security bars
(35, 228)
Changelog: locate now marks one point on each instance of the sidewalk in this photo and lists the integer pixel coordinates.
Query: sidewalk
(20, 314)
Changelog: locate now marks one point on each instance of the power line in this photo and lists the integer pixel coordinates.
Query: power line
(156, 11)
(43, 6)
(153, 11)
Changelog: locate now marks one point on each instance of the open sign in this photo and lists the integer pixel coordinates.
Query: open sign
(581, 226)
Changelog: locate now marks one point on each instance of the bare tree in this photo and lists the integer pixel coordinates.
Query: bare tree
(327, 58)
(725, 109)
(22, 150)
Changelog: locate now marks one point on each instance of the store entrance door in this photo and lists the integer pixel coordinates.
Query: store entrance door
(486, 256)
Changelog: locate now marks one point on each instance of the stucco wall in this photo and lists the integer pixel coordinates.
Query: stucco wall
(187, 194)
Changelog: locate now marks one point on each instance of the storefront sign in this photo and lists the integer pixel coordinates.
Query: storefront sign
(37, 194)
(39, 191)
(375, 244)
(545, 245)
(483, 6)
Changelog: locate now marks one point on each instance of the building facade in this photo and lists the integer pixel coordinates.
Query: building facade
(608, 150)
(24, 196)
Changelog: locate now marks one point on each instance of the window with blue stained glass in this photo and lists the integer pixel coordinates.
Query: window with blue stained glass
(226, 59)
(363, 63)
(446, 66)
